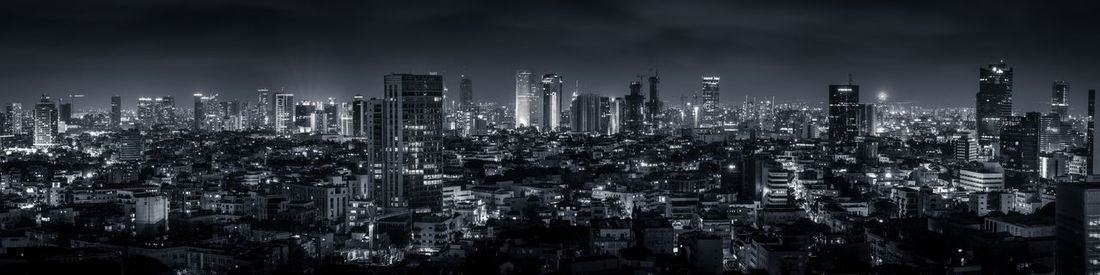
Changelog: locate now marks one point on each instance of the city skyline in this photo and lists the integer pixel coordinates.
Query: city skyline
(921, 54)
(549, 137)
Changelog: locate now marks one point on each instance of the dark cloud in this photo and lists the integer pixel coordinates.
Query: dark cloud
(921, 51)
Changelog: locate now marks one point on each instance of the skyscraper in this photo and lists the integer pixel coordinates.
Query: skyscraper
(283, 113)
(653, 107)
(305, 116)
(551, 102)
(525, 85)
(587, 114)
(709, 96)
(45, 122)
(465, 93)
(411, 146)
(15, 118)
(1091, 135)
(844, 113)
(994, 101)
(1059, 90)
(152, 112)
(1020, 143)
(633, 118)
(867, 120)
(331, 119)
(65, 112)
(1076, 222)
(146, 113)
(264, 113)
(199, 117)
(116, 112)
(130, 145)
(358, 119)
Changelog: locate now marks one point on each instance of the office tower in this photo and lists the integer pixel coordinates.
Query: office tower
(345, 119)
(994, 101)
(152, 112)
(45, 122)
(776, 191)
(966, 147)
(199, 118)
(263, 114)
(844, 112)
(130, 145)
(551, 105)
(710, 112)
(654, 107)
(587, 114)
(65, 112)
(146, 113)
(1055, 133)
(525, 85)
(410, 151)
(1091, 135)
(1020, 142)
(358, 111)
(633, 117)
(1059, 91)
(230, 115)
(616, 117)
(15, 118)
(331, 117)
(867, 121)
(116, 112)
(166, 110)
(754, 177)
(282, 112)
(465, 92)
(1077, 223)
(305, 113)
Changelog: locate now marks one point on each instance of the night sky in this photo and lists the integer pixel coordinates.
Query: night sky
(924, 52)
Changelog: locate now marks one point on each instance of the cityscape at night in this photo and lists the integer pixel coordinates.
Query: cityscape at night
(549, 137)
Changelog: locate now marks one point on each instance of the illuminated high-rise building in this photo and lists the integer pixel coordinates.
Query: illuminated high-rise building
(465, 93)
(1090, 136)
(409, 150)
(199, 112)
(282, 112)
(1020, 142)
(65, 112)
(130, 145)
(1076, 221)
(525, 86)
(994, 103)
(331, 119)
(45, 122)
(633, 118)
(262, 114)
(14, 118)
(654, 107)
(1059, 91)
(358, 116)
(116, 112)
(589, 114)
(844, 113)
(152, 112)
(551, 102)
(709, 109)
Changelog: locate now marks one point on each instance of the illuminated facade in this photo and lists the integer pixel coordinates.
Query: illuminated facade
(710, 112)
(410, 152)
(45, 123)
(994, 101)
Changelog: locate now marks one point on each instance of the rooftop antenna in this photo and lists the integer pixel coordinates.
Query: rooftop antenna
(849, 78)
